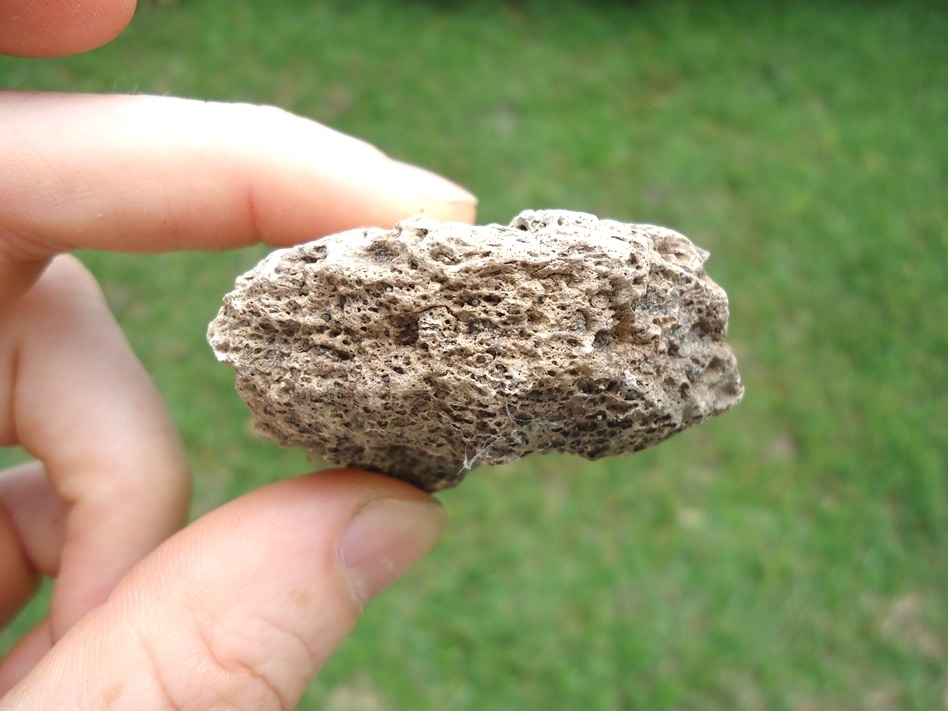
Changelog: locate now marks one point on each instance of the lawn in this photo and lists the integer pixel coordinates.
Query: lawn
(789, 555)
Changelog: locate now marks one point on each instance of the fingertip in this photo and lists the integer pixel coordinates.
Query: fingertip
(384, 540)
(59, 27)
(396, 526)
(437, 197)
(459, 211)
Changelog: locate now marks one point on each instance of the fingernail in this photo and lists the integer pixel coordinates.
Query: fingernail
(437, 197)
(384, 540)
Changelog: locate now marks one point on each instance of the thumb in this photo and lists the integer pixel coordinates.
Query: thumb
(243, 607)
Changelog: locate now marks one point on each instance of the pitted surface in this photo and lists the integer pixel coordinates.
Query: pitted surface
(424, 350)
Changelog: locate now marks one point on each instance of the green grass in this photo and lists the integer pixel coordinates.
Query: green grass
(792, 554)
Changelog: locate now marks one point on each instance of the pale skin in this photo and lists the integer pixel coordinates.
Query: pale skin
(240, 608)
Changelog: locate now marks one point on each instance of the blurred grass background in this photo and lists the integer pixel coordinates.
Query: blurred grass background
(792, 554)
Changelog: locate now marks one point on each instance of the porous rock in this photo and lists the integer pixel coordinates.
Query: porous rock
(423, 350)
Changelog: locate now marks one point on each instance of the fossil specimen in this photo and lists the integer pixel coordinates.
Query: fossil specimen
(423, 350)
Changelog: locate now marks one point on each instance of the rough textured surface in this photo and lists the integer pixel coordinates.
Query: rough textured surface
(424, 350)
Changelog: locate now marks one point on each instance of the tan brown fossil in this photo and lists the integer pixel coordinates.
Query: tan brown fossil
(426, 349)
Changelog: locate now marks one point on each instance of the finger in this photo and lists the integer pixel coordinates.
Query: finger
(242, 608)
(19, 577)
(142, 173)
(80, 402)
(57, 27)
(37, 512)
(32, 529)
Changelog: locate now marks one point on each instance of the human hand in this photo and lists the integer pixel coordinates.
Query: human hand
(244, 605)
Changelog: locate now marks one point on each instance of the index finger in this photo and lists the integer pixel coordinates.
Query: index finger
(150, 174)
(55, 27)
